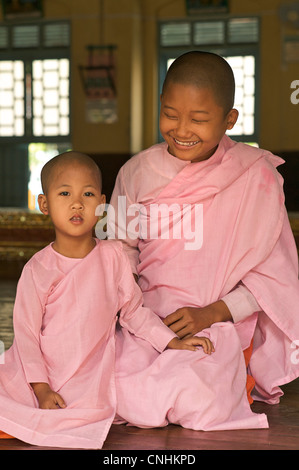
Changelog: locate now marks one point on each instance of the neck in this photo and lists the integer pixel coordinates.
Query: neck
(74, 247)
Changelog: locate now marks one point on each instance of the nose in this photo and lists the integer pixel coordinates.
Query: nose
(77, 204)
(182, 129)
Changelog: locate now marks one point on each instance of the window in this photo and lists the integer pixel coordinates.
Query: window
(50, 97)
(236, 39)
(47, 85)
(12, 97)
(34, 105)
(35, 82)
(244, 71)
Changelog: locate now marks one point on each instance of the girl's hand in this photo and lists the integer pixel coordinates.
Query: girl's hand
(47, 399)
(188, 321)
(192, 344)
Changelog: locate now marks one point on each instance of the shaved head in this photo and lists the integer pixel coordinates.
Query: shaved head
(61, 161)
(204, 70)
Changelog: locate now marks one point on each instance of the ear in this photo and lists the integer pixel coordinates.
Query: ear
(43, 204)
(232, 118)
(101, 208)
(103, 199)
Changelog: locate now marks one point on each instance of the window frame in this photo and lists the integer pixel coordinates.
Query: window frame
(27, 56)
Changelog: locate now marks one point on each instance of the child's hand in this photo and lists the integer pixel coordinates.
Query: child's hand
(47, 399)
(192, 344)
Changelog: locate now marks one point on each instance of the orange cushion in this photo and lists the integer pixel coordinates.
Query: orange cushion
(3, 435)
(250, 380)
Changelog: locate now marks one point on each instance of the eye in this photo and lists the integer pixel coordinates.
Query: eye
(88, 194)
(169, 116)
(198, 121)
(64, 193)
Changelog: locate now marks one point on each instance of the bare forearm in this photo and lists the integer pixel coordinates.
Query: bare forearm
(220, 312)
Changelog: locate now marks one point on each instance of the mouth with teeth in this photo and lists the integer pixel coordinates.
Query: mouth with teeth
(186, 144)
(76, 219)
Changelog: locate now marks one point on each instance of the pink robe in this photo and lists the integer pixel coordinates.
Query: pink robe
(246, 237)
(64, 320)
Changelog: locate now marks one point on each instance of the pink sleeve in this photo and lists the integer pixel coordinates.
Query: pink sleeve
(139, 320)
(120, 218)
(241, 303)
(27, 320)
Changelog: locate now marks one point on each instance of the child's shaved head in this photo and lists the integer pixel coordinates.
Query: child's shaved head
(68, 158)
(204, 70)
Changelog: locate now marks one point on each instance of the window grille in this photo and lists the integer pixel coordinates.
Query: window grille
(3, 37)
(34, 86)
(244, 30)
(39, 36)
(25, 36)
(56, 35)
(234, 31)
(50, 84)
(211, 32)
(11, 98)
(176, 34)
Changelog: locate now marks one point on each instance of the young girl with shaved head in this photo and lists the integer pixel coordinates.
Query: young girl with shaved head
(227, 264)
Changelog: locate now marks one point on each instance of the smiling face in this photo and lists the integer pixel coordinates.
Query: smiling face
(191, 122)
(72, 196)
